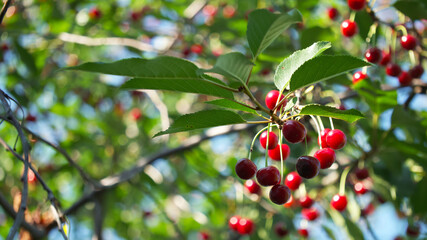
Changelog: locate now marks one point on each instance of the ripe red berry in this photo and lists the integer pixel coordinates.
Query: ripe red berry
(136, 114)
(310, 214)
(361, 173)
(348, 28)
(336, 139)
(245, 226)
(135, 16)
(272, 140)
(323, 135)
(271, 99)
(280, 229)
(280, 194)
(339, 202)
(307, 166)
(94, 13)
(31, 177)
(234, 222)
(210, 10)
(294, 131)
(228, 11)
(358, 76)
(245, 168)
(417, 71)
(408, 42)
(290, 203)
(385, 59)
(4, 47)
(332, 13)
(368, 210)
(306, 201)
(326, 157)
(413, 231)
(356, 4)
(303, 232)
(275, 153)
(252, 187)
(293, 180)
(31, 118)
(359, 188)
(373, 55)
(404, 78)
(204, 236)
(268, 176)
(196, 48)
(393, 70)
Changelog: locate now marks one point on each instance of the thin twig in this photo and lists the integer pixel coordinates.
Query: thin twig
(4, 10)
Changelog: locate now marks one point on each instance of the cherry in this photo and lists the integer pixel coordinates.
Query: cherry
(307, 166)
(294, 131)
(204, 236)
(268, 176)
(356, 4)
(323, 135)
(310, 214)
(135, 16)
(280, 194)
(271, 99)
(94, 13)
(408, 42)
(228, 11)
(368, 210)
(404, 78)
(303, 232)
(196, 48)
(417, 71)
(31, 118)
(293, 180)
(265, 72)
(336, 139)
(348, 28)
(280, 229)
(385, 59)
(272, 140)
(252, 187)
(359, 188)
(361, 173)
(392, 69)
(31, 177)
(275, 153)
(358, 76)
(136, 114)
(210, 10)
(326, 157)
(4, 47)
(290, 203)
(413, 231)
(306, 201)
(245, 226)
(373, 55)
(234, 222)
(245, 168)
(332, 13)
(339, 202)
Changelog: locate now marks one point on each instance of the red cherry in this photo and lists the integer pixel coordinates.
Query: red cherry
(275, 153)
(408, 42)
(368, 210)
(358, 76)
(265, 72)
(359, 188)
(294, 131)
(196, 48)
(204, 236)
(293, 180)
(280, 194)
(356, 4)
(4, 47)
(405, 79)
(336, 139)
(268, 176)
(245, 226)
(361, 173)
(234, 222)
(339, 202)
(280, 229)
(332, 13)
(228, 11)
(417, 71)
(252, 187)
(31, 176)
(303, 232)
(290, 203)
(413, 231)
(245, 168)
(272, 140)
(310, 214)
(136, 114)
(306, 201)
(135, 16)
(385, 59)
(323, 135)
(31, 118)
(271, 99)
(373, 55)
(393, 70)
(326, 157)
(307, 166)
(94, 13)
(348, 28)
(210, 10)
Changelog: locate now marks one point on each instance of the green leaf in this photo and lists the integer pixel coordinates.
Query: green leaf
(314, 34)
(418, 198)
(377, 99)
(287, 67)
(351, 115)
(161, 73)
(353, 230)
(231, 105)
(234, 65)
(324, 67)
(329, 232)
(265, 26)
(364, 22)
(414, 9)
(203, 119)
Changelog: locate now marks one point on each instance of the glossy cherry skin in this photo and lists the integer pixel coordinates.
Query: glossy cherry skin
(385, 59)
(294, 131)
(332, 13)
(336, 139)
(275, 153)
(307, 166)
(290, 203)
(196, 48)
(280, 229)
(361, 173)
(303, 232)
(373, 55)
(393, 69)
(326, 157)
(234, 222)
(268, 176)
(310, 214)
(408, 42)
(323, 135)
(348, 28)
(413, 231)
(339, 202)
(272, 140)
(245, 226)
(306, 201)
(356, 4)
(271, 99)
(252, 187)
(360, 189)
(405, 79)
(245, 168)
(417, 71)
(358, 76)
(293, 180)
(280, 194)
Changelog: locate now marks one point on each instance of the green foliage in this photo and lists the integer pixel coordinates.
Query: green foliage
(415, 9)
(231, 105)
(351, 115)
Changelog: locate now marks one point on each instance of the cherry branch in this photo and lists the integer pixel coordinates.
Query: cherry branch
(4, 10)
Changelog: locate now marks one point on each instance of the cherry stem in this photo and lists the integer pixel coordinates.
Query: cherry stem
(372, 31)
(320, 121)
(343, 179)
(393, 44)
(403, 29)
(352, 16)
(253, 142)
(266, 147)
(281, 154)
(303, 191)
(412, 57)
(332, 123)
(318, 131)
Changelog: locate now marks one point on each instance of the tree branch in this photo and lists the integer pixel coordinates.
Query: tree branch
(4, 10)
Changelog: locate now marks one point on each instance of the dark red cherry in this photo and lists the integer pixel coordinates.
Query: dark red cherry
(204, 236)
(405, 79)
(323, 135)
(196, 48)
(280, 194)
(280, 229)
(332, 13)
(417, 71)
(373, 55)
(293, 180)
(393, 70)
(272, 140)
(336, 139)
(361, 173)
(368, 210)
(94, 13)
(359, 188)
(356, 4)
(303, 232)
(413, 231)
(408, 42)
(294, 131)
(275, 153)
(348, 28)
(358, 76)
(252, 187)
(245, 226)
(245, 168)
(268, 176)
(326, 157)
(310, 214)
(271, 99)
(306, 201)
(307, 166)
(234, 222)
(339, 202)
(31, 118)
(385, 59)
